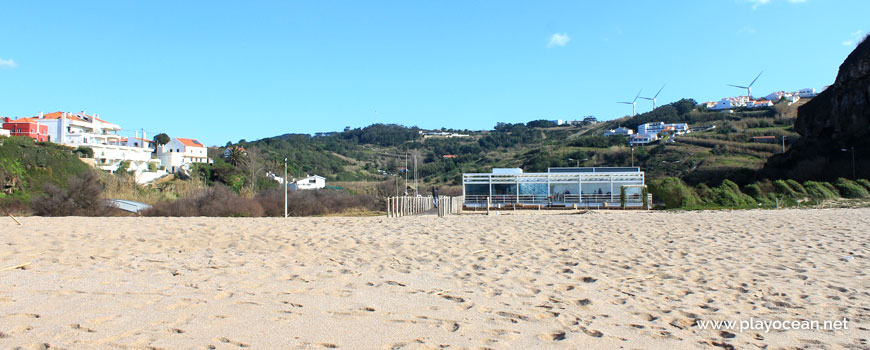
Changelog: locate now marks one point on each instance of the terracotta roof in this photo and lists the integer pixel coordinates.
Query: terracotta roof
(57, 115)
(24, 120)
(190, 142)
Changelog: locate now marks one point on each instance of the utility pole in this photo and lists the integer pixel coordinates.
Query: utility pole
(285, 187)
(783, 144)
(632, 157)
(406, 174)
(416, 193)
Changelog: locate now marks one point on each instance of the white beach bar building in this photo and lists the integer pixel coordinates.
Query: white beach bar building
(83, 130)
(559, 187)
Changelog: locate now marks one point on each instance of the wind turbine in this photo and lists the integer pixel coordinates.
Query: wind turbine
(633, 104)
(749, 87)
(654, 97)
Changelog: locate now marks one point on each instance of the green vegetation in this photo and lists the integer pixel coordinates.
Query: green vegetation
(26, 168)
(161, 139)
(850, 189)
(720, 148)
(675, 194)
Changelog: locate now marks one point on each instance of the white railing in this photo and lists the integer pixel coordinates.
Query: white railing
(577, 201)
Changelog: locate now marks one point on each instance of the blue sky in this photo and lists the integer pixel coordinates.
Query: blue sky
(224, 71)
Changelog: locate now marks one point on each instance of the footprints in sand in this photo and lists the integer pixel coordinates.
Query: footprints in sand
(513, 317)
(226, 340)
(79, 327)
(567, 282)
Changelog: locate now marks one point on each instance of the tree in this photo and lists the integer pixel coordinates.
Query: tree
(235, 156)
(253, 165)
(123, 168)
(541, 123)
(161, 139)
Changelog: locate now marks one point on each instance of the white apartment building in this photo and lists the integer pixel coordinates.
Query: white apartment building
(83, 130)
(180, 152)
(655, 128)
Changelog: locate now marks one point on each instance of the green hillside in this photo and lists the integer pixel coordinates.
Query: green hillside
(720, 147)
(26, 167)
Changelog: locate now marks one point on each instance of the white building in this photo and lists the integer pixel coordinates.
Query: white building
(619, 131)
(441, 134)
(137, 142)
(807, 93)
(180, 152)
(311, 182)
(757, 104)
(730, 103)
(4, 132)
(558, 187)
(655, 128)
(83, 130)
(642, 139)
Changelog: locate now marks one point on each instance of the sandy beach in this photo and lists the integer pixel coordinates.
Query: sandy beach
(632, 280)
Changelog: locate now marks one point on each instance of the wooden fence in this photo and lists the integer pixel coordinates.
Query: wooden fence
(408, 205)
(450, 205)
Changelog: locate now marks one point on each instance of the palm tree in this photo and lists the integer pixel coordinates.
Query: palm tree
(235, 155)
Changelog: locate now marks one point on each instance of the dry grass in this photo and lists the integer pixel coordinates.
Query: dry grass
(125, 187)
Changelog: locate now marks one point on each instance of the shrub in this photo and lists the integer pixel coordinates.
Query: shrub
(784, 189)
(123, 168)
(754, 191)
(796, 187)
(863, 182)
(728, 194)
(84, 152)
(215, 201)
(818, 192)
(850, 189)
(831, 188)
(9, 205)
(81, 198)
(705, 193)
(674, 193)
(152, 167)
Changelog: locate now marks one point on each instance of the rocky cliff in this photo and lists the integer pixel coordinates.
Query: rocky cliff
(836, 119)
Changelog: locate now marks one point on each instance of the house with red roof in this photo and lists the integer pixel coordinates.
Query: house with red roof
(29, 127)
(181, 152)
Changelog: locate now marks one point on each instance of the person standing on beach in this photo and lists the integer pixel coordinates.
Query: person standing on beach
(435, 195)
